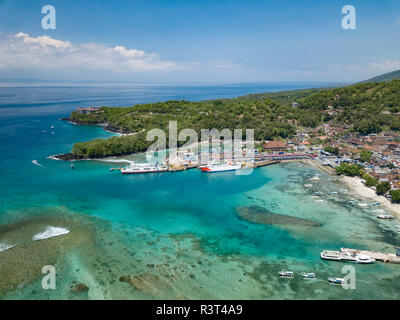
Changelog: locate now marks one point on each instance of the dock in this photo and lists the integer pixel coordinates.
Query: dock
(265, 163)
(174, 168)
(346, 252)
(378, 256)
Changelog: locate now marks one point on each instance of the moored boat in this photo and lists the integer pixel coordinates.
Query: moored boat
(349, 258)
(286, 274)
(220, 167)
(336, 281)
(331, 255)
(364, 259)
(308, 275)
(386, 216)
(143, 168)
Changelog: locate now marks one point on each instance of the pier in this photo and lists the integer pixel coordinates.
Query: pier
(264, 163)
(378, 256)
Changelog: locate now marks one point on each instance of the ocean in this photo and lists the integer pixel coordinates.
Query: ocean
(181, 235)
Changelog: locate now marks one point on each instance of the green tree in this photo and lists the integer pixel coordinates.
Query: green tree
(395, 194)
(370, 181)
(382, 188)
(333, 150)
(346, 169)
(365, 155)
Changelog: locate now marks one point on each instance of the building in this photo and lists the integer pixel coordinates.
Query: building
(275, 146)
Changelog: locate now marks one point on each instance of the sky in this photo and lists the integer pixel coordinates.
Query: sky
(199, 41)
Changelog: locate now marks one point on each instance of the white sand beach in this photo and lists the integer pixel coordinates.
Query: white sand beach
(355, 184)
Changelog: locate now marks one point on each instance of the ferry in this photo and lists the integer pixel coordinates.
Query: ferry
(286, 274)
(220, 167)
(143, 168)
(308, 275)
(331, 255)
(386, 216)
(336, 281)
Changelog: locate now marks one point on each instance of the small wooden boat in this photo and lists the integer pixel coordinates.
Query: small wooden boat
(308, 275)
(286, 274)
(336, 281)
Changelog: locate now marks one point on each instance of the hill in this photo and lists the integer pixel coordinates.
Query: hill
(361, 108)
(394, 75)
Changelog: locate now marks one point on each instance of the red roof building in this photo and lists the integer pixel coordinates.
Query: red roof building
(276, 146)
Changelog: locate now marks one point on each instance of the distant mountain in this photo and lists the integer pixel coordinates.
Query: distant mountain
(394, 75)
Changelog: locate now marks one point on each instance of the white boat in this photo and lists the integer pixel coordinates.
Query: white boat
(221, 167)
(308, 185)
(363, 205)
(336, 281)
(143, 168)
(315, 178)
(286, 274)
(379, 211)
(308, 275)
(331, 255)
(364, 259)
(386, 216)
(349, 258)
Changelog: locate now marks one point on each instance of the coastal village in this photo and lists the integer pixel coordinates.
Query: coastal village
(329, 145)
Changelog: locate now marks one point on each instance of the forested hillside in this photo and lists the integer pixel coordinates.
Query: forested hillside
(366, 108)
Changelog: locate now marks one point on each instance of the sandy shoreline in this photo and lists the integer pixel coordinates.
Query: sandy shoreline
(355, 185)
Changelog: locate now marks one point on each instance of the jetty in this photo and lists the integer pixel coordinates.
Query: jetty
(174, 168)
(378, 256)
(350, 255)
(265, 163)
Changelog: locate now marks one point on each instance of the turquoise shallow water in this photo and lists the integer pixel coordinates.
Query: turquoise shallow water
(178, 235)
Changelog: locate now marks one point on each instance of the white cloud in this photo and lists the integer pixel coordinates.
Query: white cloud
(21, 51)
(386, 66)
(44, 41)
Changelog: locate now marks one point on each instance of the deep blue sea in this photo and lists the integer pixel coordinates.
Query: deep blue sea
(173, 235)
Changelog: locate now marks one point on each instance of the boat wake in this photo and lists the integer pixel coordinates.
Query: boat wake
(50, 232)
(5, 246)
(36, 163)
(115, 160)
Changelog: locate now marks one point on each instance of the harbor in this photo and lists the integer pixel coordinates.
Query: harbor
(209, 162)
